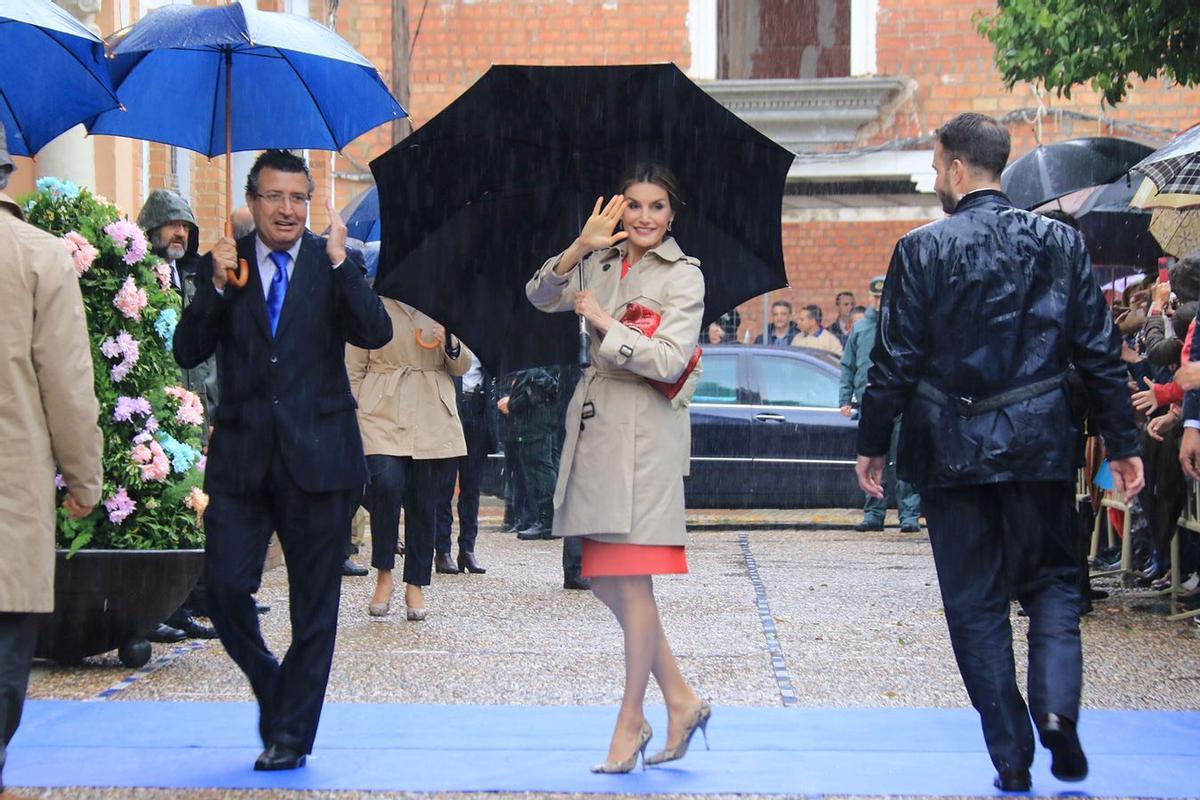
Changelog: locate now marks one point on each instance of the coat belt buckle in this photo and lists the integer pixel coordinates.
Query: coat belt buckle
(964, 406)
(589, 410)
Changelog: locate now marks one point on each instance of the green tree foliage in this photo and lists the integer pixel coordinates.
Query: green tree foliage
(1102, 43)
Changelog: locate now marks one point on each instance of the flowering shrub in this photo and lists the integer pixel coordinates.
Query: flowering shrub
(152, 462)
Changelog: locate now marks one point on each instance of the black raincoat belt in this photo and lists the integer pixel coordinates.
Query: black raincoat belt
(970, 407)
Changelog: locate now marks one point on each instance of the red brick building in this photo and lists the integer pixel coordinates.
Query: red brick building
(855, 87)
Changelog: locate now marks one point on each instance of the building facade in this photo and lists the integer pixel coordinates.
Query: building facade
(854, 87)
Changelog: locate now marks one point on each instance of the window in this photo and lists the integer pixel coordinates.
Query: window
(718, 380)
(783, 38)
(791, 382)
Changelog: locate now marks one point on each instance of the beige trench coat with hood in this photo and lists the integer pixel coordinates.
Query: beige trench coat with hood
(622, 468)
(48, 409)
(405, 392)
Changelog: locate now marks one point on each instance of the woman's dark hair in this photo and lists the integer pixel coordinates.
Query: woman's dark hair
(649, 172)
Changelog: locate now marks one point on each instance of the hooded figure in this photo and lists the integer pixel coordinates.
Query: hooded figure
(163, 207)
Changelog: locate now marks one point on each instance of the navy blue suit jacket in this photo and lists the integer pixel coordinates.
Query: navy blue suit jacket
(288, 392)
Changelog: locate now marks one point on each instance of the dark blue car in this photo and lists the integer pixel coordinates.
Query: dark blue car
(767, 431)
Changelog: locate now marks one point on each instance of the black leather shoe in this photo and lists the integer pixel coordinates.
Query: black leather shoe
(535, 531)
(468, 563)
(580, 584)
(195, 629)
(1059, 737)
(352, 570)
(165, 634)
(910, 527)
(277, 757)
(444, 564)
(1013, 780)
(864, 526)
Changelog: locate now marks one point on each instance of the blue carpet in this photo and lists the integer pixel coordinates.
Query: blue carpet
(549, 748)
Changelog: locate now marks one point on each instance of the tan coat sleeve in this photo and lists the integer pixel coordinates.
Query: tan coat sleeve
(553, 293)
(458, 367)
(62, 359)
(663, 356)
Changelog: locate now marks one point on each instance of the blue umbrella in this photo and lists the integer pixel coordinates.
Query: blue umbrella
(361, 216)
(52, 74)
(228, 79)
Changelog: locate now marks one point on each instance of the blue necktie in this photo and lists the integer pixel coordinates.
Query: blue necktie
(278, 289)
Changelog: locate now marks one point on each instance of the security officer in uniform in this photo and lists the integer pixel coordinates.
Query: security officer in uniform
(532, 407)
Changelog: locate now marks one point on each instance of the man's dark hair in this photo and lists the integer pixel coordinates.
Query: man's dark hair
(783, 303)
(840, 295)
(1058, 215)
(976, 139)
(814, 311)
(281, 161)
(858, 310)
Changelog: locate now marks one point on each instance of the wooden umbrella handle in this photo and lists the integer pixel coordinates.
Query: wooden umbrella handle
(238, 277)
(427, 345)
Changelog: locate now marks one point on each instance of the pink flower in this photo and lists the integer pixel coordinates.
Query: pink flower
(141, 454)
(159, 467)
(81, 251)
(59, 483)
(119, 506)
(163, 272)
(125, 347)
(130, 237)
(128, 406)
(190, 411)
(131, 300)
(202, 463)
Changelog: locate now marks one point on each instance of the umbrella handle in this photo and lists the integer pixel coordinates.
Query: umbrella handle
(585, 340)
(238, 277)
(427, 345)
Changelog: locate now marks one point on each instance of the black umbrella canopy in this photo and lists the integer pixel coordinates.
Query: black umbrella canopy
(1115, 233)
(477, 199)
(1053, 170)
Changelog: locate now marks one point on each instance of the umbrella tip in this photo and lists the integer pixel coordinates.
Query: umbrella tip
(121, 107)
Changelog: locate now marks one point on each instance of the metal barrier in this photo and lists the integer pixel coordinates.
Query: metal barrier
(1190, 519)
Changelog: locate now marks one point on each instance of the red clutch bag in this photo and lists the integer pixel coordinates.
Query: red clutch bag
(645, 321)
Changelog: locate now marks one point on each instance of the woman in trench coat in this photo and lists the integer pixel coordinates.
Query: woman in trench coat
(412, 437)
(620, 481)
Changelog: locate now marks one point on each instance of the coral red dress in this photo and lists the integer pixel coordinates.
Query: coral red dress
(611, 559)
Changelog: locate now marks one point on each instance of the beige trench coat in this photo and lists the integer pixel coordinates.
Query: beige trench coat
(622, 468)
(48, 409)
(405, 393)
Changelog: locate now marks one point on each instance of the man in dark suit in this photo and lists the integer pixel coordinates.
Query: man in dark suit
(984, 315)
(285, 453)
(476, 396)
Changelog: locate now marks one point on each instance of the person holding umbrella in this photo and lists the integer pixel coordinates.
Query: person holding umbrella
(620, 481)
(285, 453)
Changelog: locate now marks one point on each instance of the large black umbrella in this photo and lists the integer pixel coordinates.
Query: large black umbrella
(1115, 233)
(1054, 170)
(475, 200)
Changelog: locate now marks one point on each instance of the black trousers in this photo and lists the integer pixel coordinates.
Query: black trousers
(517, 509)
(312, 530)
(417, 486)
(469, 471)
(18, 636)
(538, 470)
(992, 543)
(1166, 489)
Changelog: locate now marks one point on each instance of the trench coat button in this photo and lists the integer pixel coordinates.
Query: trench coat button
(274, 359)
(582, 425)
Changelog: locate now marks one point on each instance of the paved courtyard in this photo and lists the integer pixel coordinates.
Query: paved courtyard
(781, 608)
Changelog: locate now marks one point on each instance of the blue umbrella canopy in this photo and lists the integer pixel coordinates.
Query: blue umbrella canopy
(361, 216)
(53, 75)
(293, 82)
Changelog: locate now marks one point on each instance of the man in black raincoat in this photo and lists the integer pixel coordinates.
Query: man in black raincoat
(988, 436)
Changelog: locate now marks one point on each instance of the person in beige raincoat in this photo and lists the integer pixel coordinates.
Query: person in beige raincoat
(620, 481)
(412, 437)
(48, 417)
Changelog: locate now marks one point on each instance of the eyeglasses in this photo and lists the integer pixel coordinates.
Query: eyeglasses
(277, 198)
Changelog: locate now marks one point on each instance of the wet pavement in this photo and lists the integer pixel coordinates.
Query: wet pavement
(780, 608)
